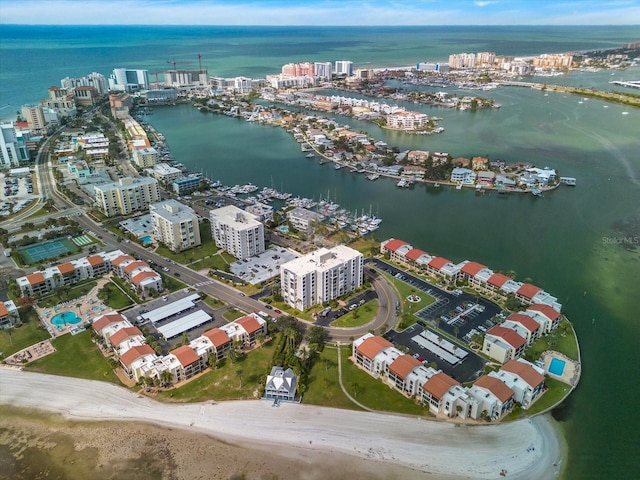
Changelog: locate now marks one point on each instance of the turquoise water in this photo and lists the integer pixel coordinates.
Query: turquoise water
(65, 318)
(563, 242)
(146, 239)
(557, 366)
(284, 229)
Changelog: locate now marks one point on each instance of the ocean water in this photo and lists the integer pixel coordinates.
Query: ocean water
(563, 242)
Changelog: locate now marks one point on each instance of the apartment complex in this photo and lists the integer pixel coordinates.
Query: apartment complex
(9, 315)
(136, 272)
(127, 195)
(145, 157)
(13, 146)
(321, 276)
(128, 80)
(237, 232)
(175, 225)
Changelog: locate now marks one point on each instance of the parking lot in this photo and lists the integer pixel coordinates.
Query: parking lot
(262, 267)
(356, 302)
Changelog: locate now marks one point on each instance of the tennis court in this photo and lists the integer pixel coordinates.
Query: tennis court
(43, 251)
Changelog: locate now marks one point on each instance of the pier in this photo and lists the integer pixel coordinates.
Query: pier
(568, 181)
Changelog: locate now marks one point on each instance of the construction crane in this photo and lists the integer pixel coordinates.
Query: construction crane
(200, 62)
(172, 62)
(157, 84)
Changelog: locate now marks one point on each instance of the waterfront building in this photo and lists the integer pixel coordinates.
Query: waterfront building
(62, 101)
(161, 96)
(186, 78)
(374, 353)
(137, 362)
(343, 68)
(302, 219)
(9, 315)
(175, 225)
(236, 231)
(524, 325)
(34, 116)
(323, 70)
(145, 157)
(503, 344)
(281, 384)
(219, 343)
(321, 276)
(128, 80)
(262, 211)
(184, 363)
(13, 147)
(444, 395)
(164, 173)
(547, 316)
(245, 330)
(494, 398)
(553, 61)
(127, 195)
(462, 60)
(485, 59)
(407, 120)
(187, 183)
(406, 374)
(523, 378)
(463, 175)
(120, 104)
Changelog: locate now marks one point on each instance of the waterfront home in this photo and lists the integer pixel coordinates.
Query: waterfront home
(503, 344)
(439, 158)
(444, 395)
(523, 378)
(398, 374)
(281, 384)
(414, 171)
(245, 330)
(505, 181)
(486, 177)
(219, 343)
(9, 315)
(460, 162)
(136, 361)
(302, 219)
(479, 163)
(417, 157)
(463, 175)
(493, 396)
(531, 294)
(547, 316)
(526, 326)
(126, 338)
(100, 323)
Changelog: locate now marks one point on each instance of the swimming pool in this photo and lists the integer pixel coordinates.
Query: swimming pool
(284, 229)
(65, 318)
(146, 239)
(556, 366)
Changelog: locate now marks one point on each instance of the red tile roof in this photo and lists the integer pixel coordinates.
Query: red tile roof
(498, 279)
(139, 277)
(95, 260)
(414, 254)
(525, 372)
(133, 265)
(186, 355)
(508, 335)
(403, 365)
(122, 258)
(134, 353)
(495, 386)
(101, 322)
(472, 268)
(217, 336)
(373, 346)
(250, 324)
(528, 291)
(3, 310)
(35, 278)
(548, 311)
(122, 334)
(439, 384)
(66, 267)
(525, 320)
(393, 244)
(438, 262)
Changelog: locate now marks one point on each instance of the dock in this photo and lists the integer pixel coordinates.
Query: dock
(568, 181)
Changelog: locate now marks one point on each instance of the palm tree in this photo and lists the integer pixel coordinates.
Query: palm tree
(356, 388)
(166, 377)
(239, 372)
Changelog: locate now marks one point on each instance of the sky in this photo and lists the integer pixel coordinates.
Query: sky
(320, 12)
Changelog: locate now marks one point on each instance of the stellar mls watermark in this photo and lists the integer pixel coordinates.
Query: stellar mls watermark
(631, 240)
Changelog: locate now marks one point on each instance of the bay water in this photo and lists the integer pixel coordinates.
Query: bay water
(563, 242)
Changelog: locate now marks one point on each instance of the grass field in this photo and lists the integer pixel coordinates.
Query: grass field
(76, 356)
(113, 297)
(359, 316)
(231, 381)
(75, 292)
(29, 333)
(562, 340)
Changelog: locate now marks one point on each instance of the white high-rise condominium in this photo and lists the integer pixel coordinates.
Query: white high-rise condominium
(323, 70)
(127, 195)
(128, 80)
(344, 67)
(236, 231)
(175, 225)
(321, 276)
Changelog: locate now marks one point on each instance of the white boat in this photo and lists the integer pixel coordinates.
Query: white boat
(459, 187)
(373, 176)
(309, 155)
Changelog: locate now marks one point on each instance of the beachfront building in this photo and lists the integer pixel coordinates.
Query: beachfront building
(407, 120)
(218, 342)
(9, 315)
(128, 80)
(281, 384)
(407, 374)
(374, 354)
(548, 317)
(237, 232)
(321, 276)
(127, 195)
(463, 175)
(503, 344)
(523, 378)
(184, 363)
(246, 330)
(138, 361)
(494, 398)
(524, 325)
(187, 184)
(175, 225)
(164, 173)
(13, 146)
(445, 396)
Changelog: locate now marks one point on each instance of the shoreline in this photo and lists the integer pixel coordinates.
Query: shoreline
(527, 449)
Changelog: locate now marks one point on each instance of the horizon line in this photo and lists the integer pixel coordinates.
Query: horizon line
(315, 25)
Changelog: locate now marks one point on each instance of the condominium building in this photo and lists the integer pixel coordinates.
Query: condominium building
(462, 60)
(128, 80)
(175, 225)
(13, 146)
(323, 70)
(321, 276)
(344, 67)
(237, 232)
(34, 116)
(127, 195)
(145, 157)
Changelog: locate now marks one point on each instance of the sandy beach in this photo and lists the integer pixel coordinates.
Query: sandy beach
(372, 445)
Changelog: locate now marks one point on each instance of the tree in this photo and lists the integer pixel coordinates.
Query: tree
(456, 331)
(356, 388)
(318, 335)
(166, 377)
(239, 372)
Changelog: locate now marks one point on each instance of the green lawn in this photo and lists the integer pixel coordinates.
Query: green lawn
(76, 356)
(556, 392)
(75, 292)
(562, 340)
(207, 248)
(214, 261)
(214, 302)
(359, 316)
(113, 297)
(223, 383)
(30, 332)
(127, 288)
(233, 314)
(323, 387)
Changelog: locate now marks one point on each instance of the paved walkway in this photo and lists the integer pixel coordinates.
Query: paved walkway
(344, 390)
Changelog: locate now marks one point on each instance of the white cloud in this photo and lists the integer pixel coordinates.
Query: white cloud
(483, 4)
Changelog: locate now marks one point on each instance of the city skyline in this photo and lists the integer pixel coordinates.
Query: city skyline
(328, 12)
